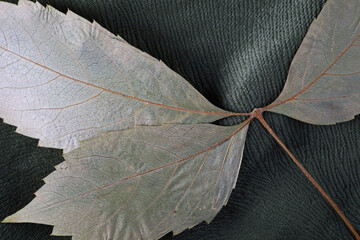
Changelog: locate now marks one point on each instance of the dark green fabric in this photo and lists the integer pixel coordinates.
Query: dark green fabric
(237, 54)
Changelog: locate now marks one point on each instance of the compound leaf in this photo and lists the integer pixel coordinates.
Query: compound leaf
(323, 82)
(74, 85)
(64, 79)
(140, 183)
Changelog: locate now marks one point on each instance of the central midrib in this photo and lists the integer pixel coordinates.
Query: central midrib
(121, 94)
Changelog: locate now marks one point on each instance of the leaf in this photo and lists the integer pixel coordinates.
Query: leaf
(140, 183)
(255, 114)
(64, 79)
(323, 82)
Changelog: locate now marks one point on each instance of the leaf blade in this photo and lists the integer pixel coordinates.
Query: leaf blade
(322, 85)
(54, 66)
(176, 180)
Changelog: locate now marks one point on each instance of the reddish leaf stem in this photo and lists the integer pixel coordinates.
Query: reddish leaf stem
(307, 174)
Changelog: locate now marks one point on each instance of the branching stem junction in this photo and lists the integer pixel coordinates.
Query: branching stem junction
(257, 113)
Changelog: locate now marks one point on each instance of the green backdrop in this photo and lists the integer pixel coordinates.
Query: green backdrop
(237, 54)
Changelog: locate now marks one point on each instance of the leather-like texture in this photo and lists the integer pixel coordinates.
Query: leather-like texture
(237, 54)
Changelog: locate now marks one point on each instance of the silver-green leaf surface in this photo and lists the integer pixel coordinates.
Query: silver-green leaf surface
(64, 79)
(140, 183)
(323, 85)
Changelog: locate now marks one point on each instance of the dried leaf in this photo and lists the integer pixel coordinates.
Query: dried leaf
(323, 82)
(64, 79)
(140, 183)
(147, 181)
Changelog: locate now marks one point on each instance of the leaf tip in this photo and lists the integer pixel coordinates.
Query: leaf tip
(9, 219)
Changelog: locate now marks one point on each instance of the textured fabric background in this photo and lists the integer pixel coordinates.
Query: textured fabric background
(237, 54)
